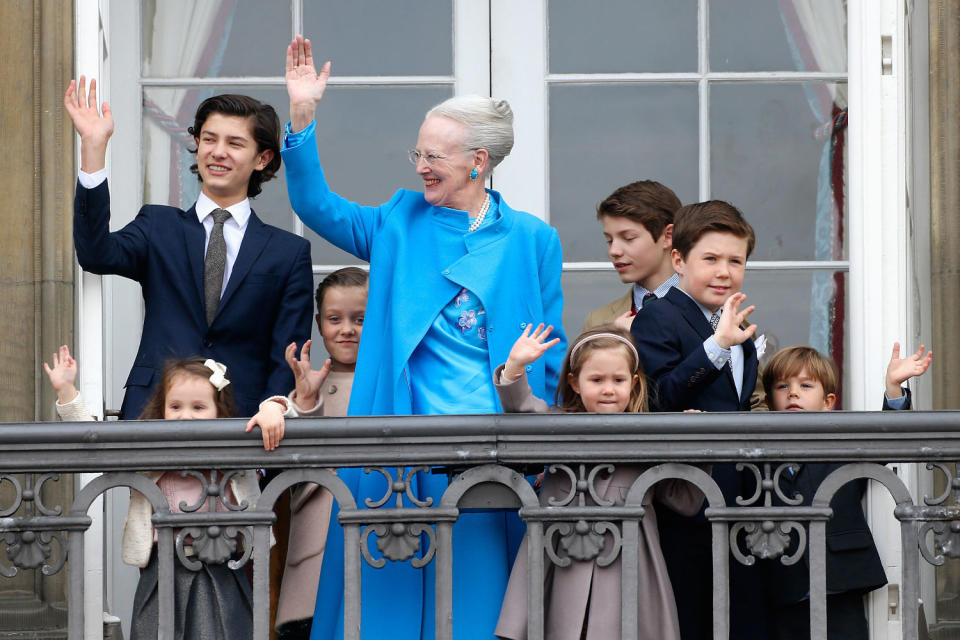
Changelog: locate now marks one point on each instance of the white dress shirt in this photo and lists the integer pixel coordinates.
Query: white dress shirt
(233, 228)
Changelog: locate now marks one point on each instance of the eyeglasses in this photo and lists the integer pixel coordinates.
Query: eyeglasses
(430, 157)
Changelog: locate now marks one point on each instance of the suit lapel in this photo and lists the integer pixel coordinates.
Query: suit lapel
(750, 370)
(194, 239)
(690, 312)
(698, 322)
(254, 240)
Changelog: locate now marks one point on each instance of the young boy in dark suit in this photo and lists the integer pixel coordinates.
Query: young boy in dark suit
(698, 354)
(216, 280)
(802, 379)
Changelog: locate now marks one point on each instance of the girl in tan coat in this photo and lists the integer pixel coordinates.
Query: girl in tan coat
(601, 374)
(341, 304)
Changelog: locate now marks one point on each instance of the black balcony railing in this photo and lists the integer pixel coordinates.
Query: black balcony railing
(486, 457)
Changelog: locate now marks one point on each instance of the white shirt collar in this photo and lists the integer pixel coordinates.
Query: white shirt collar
(706, 312)
(639, 291)
(240, 211)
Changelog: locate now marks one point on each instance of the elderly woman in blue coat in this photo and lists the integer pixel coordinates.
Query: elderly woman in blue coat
(455, 275)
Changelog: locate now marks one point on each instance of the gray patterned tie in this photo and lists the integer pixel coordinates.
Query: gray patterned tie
(714, 319)
(214, 264)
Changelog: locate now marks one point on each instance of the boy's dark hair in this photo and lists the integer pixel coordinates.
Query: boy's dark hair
(187, 367)
(792, 360)
(693, 221)
(346, 277)
(646, 202)
(265, 125)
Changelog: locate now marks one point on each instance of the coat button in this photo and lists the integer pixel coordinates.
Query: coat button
(523, 325)
(529, 368)
(332, 389)
(208, 343)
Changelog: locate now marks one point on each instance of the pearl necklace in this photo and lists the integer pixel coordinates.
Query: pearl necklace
(481, 215)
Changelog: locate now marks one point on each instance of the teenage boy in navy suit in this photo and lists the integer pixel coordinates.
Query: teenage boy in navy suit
(802, 379)
(241, 304)
(697, 353)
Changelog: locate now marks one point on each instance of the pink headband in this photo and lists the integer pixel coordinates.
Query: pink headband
(583, 341)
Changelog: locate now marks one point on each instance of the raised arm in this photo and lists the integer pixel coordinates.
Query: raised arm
(899, 370)
(305, 85)
(62, 375)
(94, 127)
(528, 348)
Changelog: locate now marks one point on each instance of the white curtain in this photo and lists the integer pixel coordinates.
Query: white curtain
(187, 40)
(817, 33)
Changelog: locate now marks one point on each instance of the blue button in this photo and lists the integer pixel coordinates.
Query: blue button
(523, 325)
(529, 368)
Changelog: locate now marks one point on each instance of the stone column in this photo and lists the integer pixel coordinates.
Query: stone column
(945, 199)
(36, 261)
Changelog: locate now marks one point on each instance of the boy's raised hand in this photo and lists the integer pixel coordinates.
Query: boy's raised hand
(899, 370)
(305, 86)
(62, 375)
(527, 348)
(94, 128)
(307, 380)
(728, 331)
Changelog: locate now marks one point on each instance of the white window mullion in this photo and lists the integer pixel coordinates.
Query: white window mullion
(518, 68)
(703, 85)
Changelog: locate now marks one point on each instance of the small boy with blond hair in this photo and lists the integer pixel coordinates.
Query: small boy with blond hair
(802, 379)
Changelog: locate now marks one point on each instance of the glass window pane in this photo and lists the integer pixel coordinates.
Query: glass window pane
(602, 137)
(800, 307)
(167, 178)
(584, 291)
(776, 156)
(622, 36)
(406, 37)
(790, 35)
(364, 134)
(186, 38)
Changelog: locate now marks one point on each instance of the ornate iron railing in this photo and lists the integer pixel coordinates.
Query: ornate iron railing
(485, 456)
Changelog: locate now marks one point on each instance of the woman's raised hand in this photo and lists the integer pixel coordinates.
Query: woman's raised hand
(304, 85)
(527, 348)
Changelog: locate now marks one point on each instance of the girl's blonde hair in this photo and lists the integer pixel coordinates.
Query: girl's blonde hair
(187, 367)
(569, 400)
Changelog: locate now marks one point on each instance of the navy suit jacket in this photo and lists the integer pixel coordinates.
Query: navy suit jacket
(267, 304)
(669, 333)
(853, 563)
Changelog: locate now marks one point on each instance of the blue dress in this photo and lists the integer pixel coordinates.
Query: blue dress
(449, 373)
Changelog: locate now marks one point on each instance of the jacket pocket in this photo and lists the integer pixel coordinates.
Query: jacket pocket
(849, 540)
(140, 377)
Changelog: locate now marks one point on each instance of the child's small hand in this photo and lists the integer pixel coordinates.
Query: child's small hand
(308, 381)
(728, 331)
(527, 348)
(625, 320)
(270, 420)
(899, 370)
(62, 375)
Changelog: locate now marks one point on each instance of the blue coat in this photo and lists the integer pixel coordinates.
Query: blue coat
(513, 265)
(267, 303)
